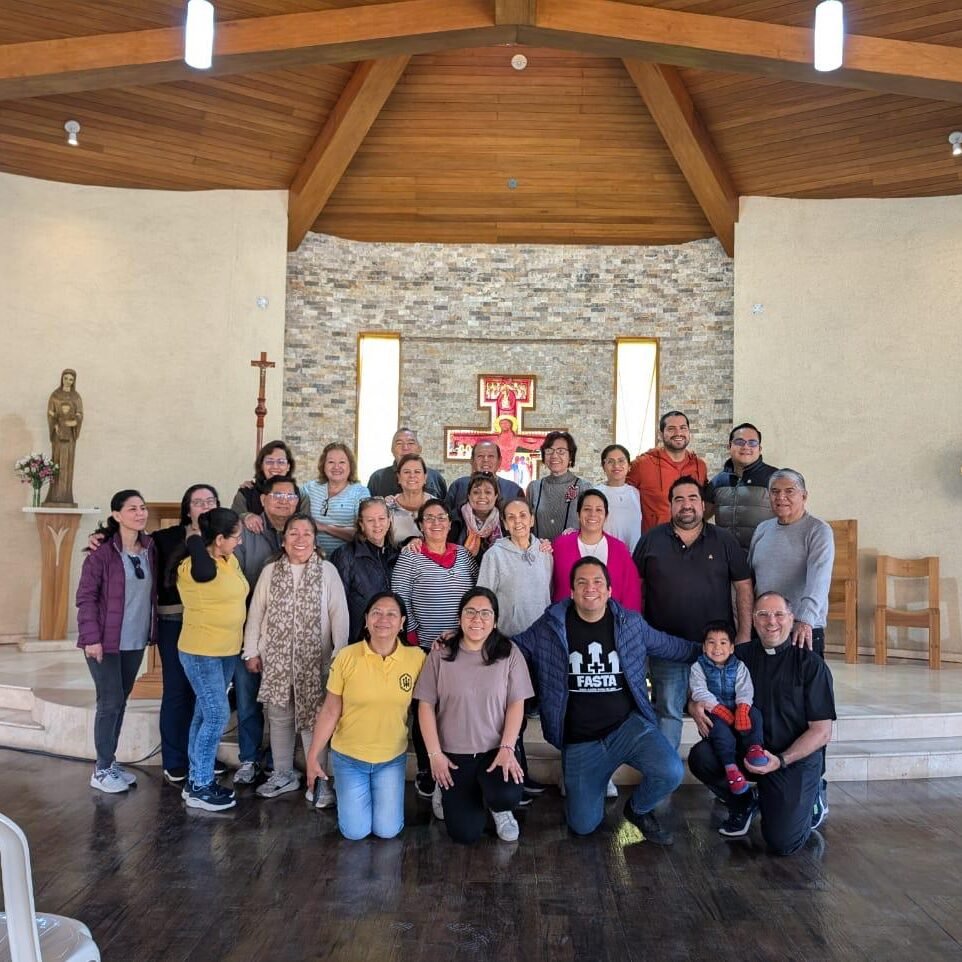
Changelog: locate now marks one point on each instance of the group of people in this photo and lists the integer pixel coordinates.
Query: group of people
(456, 612)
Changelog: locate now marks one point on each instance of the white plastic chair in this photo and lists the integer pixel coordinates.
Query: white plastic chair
(24, 935)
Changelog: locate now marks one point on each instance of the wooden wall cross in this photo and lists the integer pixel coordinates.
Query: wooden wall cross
(261, 410)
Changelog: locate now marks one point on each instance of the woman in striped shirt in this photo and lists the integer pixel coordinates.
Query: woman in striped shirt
(334, 497)
(432, 581)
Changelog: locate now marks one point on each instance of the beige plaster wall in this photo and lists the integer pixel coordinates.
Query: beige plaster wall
(151, 296)
(848, 355)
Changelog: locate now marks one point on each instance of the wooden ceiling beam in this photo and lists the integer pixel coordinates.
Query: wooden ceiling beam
(344, 35)
(515, 11)
(671, 107)
(343, 132)
(602, 27)
(613, 29)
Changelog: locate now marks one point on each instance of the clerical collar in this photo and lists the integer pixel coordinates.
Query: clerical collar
(778, 649)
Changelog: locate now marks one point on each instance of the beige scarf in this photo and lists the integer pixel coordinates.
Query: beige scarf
(294, 654)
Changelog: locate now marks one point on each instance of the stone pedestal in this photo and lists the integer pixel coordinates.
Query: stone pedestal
(57, 528)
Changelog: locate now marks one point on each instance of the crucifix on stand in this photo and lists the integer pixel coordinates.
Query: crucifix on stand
(261, 409)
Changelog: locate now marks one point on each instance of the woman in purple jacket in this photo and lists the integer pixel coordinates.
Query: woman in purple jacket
(116, 620)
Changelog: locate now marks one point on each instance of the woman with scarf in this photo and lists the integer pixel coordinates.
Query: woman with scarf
(431, 582)
(298, 618)
(479, 525)
(553, 496)
(365, 563)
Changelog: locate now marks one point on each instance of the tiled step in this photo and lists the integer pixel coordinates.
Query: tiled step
(855, 761)
(16, 696)
(19, 730)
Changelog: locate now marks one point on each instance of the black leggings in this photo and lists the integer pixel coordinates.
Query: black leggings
(475, 790)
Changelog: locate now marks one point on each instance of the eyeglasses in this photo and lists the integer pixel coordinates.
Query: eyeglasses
(615, 461)
(557, 452)
(203, 502)
(139, 573)
(485, 614)
(384, 613)
(283, 496)
(436, 519)
(746, 443)
(274, 462)
(778, 615)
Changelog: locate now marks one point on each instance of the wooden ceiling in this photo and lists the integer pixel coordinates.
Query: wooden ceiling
(633, 122)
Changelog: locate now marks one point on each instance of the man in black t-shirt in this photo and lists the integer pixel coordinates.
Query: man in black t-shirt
(793, 691)
(587, 656)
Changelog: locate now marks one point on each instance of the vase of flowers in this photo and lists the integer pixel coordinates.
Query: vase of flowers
(36, 470)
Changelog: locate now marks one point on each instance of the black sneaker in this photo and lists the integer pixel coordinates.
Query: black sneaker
(175, 776)
(211, 798)
(649, 825)
(738, 822)
(219, 769)
(424, 784)
(525, 802)
(531, 787)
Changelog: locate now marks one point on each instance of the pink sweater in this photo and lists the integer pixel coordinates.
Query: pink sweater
(625, 583)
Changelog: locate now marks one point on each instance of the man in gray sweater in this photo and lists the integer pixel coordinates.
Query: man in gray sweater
(792, 554)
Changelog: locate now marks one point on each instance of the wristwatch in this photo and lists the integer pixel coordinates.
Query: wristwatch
(781, 761)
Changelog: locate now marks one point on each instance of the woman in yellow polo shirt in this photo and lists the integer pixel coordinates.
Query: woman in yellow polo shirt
(365, 718)
(213, 591)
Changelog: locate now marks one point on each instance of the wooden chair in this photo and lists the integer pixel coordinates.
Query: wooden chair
(843, 593)
(886, 617)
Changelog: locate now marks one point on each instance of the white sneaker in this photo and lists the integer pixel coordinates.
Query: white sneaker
(325, 795)
(611, 791)
(436, 804)
(278, 784)
(506, 826)
(246, 774)
(128, 776)
(104, 780)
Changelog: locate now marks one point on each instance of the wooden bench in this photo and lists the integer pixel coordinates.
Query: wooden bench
(843, 594)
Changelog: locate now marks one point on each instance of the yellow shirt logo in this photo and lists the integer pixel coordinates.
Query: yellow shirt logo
(406, 682)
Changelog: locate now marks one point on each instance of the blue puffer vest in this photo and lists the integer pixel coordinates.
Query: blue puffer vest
(545, 646)
(720, 680)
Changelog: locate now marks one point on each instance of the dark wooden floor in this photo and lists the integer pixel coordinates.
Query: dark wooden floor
(273, 880)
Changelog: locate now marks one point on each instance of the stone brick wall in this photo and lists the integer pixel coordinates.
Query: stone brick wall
(466, 310)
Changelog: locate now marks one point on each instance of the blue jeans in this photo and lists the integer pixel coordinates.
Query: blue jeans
(589, 765)
(669, 693)
(209, 676)
(177, 700)
(729, 744)
(370, 796)
(250, 713)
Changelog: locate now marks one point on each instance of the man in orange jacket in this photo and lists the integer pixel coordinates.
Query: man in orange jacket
(654, 472)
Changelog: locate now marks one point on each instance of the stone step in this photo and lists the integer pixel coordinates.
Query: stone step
(851, 760)
(16, 696)
(18, 729)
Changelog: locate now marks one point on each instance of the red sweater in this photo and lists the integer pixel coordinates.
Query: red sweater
(625, 582)
(653, 473)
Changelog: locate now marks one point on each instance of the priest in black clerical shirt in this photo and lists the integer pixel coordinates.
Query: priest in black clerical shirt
(793, 691)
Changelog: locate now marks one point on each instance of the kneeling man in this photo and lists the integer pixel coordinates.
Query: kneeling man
(587, 656)
(793, 691)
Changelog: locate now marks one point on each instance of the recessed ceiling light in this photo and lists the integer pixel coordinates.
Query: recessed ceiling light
(519, 61)
(955, 139)
(72, 128)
